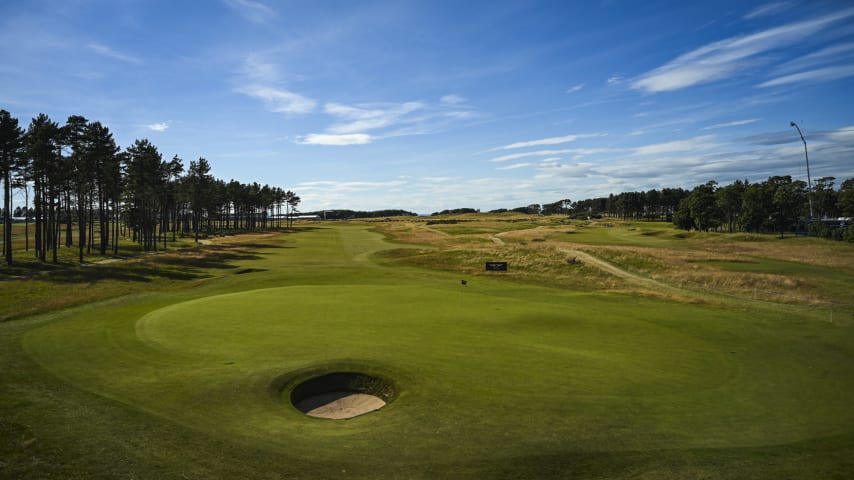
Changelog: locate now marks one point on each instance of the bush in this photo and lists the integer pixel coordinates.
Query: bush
(818, 229)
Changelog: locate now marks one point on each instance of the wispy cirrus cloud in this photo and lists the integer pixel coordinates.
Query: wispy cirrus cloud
(452, 99)
(820, 74)
(348, 186)
(575, 88)
(255, 12)
(844, 135)
(615, 80)
(547, 141)
(258, 78)
(514, 166)
(768, 9)
(361, 118)
(829, 63)
(680, 164)
(704, 142)
(773, 138)
(725, 58)
(440, 179)
(108, 52)
(365, 123)
(279, 100)
(567, 169)
(335, 139)
(736, 123)
(549, 153)
(833, 54)
(256, 68)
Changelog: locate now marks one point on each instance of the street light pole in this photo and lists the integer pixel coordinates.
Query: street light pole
(807, 157)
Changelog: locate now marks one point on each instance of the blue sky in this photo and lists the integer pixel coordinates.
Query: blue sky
(427, 105)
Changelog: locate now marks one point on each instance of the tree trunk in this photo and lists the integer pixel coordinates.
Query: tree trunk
(54, 226)
(7, 217)
(81, 229)
(38, 211)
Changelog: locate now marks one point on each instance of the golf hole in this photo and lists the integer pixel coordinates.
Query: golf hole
(341, 395)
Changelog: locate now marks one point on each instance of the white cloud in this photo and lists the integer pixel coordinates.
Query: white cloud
(546, 181)
(259, 70)
(725, 58)
(546, 153)
(460, 115)
(616, 80)
(278, 100)
(704, 142)
(388, 119)
(255, 12)
(452, 100)
(834, 54)
(367, 118)
(547, 141)
(562, 170)
(439, 179)
(514, 166)
(336, 140)
(575, 88)
(108, 52)
(337, 186)
(845, 135)
(768, 9)
(158, 127)
(735, 123)
(821, 74)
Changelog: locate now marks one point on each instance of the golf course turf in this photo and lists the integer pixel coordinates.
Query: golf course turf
(488, 379)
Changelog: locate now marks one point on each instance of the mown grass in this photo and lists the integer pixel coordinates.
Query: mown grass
(516, 375)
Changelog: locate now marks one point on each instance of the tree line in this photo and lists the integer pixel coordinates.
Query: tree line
(653, 205)
(776, 205)
(80, 177)
(343, 214)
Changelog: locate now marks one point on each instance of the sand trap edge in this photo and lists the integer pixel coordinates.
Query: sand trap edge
(321, 393)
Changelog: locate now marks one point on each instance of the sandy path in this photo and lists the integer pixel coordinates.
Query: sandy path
(619, 272)
(339, 405)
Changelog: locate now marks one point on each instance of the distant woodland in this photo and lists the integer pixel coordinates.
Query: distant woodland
(777, 205)
(89, 193)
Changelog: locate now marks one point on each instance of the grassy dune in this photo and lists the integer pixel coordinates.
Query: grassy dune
(550, 370)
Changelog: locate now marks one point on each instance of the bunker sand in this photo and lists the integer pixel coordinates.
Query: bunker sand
(340, 405)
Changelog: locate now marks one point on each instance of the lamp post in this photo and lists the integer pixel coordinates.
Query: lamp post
(807, 157)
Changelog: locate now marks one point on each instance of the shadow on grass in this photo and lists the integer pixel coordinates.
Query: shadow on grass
(189, 264)
(211, 257)
(123, 273)
(826, 458)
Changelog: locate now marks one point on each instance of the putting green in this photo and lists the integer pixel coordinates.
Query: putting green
(490, 371)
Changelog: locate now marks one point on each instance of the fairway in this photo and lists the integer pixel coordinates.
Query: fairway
(491, 379)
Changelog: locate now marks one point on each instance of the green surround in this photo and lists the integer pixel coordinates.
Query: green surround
(487, 375)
